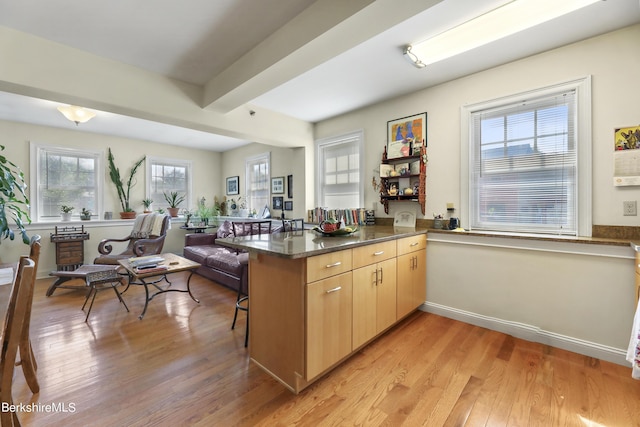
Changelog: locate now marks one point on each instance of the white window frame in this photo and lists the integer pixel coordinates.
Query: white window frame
(35, 150)
(582, 88)
(249, 161)
(187, 164)
(356, 137)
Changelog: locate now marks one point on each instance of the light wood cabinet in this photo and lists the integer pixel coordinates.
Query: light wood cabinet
(374, 291)
(307, 314)
(412, 272)
(328, 322)
(637, 276)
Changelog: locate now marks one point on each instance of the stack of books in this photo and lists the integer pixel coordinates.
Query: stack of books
(148, 264)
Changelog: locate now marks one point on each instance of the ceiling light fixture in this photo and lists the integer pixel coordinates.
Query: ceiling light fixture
(411, 57)
(506, 20)
(76, 114)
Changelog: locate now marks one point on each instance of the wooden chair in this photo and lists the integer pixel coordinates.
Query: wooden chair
(139, 242)
(27, 358)
(12, 334)
(247, 228)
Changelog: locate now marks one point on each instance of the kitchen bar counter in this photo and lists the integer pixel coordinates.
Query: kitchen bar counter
(315, 300)
(306, 243)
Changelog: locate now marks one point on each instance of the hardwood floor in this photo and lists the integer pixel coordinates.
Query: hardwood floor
(183, 365)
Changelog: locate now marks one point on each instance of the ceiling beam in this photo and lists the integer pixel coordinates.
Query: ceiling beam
(326, 29)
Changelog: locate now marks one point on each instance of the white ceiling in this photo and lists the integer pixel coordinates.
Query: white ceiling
(197, 40)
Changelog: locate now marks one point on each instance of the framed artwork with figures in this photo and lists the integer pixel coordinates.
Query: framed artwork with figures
(406, 135)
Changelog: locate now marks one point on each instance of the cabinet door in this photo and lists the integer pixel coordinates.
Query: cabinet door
(412, 287)
(386, 295)
(364, 304)
(374, 300)
(329, 317)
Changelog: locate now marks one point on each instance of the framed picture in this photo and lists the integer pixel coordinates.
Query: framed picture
(277, 185)
(288, 205)
(406, 135)
(290, 186)
(277, 202)
(233, 185)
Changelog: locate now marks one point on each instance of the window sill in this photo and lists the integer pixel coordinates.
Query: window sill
(616, 248)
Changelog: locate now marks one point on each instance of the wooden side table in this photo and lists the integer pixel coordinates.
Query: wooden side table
(69, 246)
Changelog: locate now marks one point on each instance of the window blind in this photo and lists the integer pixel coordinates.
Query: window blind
(523, 158)
(339, 172)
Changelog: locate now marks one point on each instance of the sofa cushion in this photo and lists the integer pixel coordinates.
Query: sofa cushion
(200, 253)
(225, 260)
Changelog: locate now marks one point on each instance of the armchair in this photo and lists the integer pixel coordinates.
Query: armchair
(146, 238)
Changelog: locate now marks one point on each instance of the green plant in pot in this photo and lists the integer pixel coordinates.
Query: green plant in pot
(13, 199)
(147, 205)
(66, 211)
(124, 190)
(174, 199)
(85, 215)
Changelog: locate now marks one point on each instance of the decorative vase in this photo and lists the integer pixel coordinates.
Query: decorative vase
(127, 215)
(85, 217)
(173, 212)
(66, 216)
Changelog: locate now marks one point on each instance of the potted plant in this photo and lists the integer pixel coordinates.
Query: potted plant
(204, 212)
(13, 199)
(85, 215)
(147, 205)
(66, 212)
(174, 199)
(124, 190)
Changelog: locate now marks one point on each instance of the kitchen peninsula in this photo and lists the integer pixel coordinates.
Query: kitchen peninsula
(316, 300)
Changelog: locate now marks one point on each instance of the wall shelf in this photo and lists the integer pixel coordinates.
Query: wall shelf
(387, 181)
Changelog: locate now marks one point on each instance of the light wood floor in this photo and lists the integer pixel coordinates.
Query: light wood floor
(182, 365)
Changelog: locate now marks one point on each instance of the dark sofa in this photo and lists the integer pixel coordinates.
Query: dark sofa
(218, 263)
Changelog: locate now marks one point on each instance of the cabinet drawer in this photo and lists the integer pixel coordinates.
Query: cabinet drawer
(412, 244)
(370, 254)
(327, 265)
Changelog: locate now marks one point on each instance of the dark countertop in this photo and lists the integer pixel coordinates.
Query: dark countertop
(302, 244)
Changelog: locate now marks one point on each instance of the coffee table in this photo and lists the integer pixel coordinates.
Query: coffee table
(173, 263)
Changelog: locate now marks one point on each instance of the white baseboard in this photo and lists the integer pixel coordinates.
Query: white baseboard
(531, 333)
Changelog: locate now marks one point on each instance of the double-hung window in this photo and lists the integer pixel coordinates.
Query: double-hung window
(527, 163)
(167, 176)
(64, 176)
(257, 177)
(339, 172)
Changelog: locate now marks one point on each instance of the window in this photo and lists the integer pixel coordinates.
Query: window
(339, 172)
(64, 176)
(258, 174)
(527, 163)
(166, 176)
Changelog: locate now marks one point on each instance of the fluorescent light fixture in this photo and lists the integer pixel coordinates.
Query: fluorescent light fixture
(411, 57)
(511, 18)
(76, 114)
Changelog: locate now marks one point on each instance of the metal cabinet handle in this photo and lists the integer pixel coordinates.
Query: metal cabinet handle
(337, 288)
(415, 244)
(380, 275)
(378, 253)
(335, 264)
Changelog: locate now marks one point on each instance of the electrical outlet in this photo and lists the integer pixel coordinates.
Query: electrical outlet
(629, 208)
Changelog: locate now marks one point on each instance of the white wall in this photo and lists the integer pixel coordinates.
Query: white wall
(284, 162)
(16, 138)
(581, 302)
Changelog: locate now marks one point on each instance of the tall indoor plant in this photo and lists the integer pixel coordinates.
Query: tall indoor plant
(124, 191)
(13, 199)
